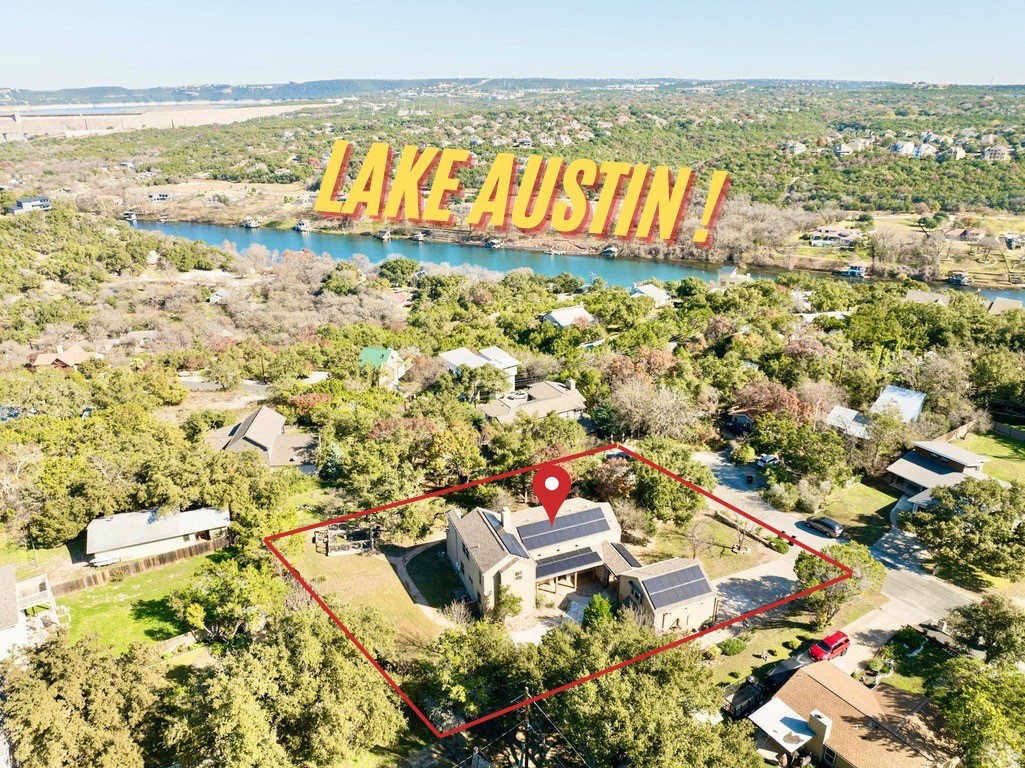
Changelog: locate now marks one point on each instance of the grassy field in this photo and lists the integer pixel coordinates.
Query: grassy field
(863, 510)
(368, 580)
(434, 576)
(1006, 456)
(133, 610)
(716, 539)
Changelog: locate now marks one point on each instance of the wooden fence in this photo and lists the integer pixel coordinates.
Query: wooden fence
(1008, 431)
(100, 576)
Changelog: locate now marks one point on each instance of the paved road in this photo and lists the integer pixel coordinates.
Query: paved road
(913, 596)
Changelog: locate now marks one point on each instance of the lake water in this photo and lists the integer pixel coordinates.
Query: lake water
(623, 272)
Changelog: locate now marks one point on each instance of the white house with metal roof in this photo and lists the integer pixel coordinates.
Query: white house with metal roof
(568, 317)
(653, 292)
(133, 535)
(906, 403)
(493, 356)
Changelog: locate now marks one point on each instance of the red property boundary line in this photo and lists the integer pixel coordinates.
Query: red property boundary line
(846, 573)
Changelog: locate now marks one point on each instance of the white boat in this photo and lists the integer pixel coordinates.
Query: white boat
(250, 223)
(493, 243)
(420, 237)
(130, 216)
(303, 226)
(385, 236)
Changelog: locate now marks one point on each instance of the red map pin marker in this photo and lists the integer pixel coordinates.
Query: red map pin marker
(551, 486)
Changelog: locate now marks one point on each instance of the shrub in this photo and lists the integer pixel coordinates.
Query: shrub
(793, 644)
(732, 646)
(780, 545)
(875, 664)
(743, 454)
(712, 652)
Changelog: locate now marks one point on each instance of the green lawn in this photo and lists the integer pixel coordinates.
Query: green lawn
(863, 510)
(133, 610)
(1006, 456)
(714, 548)
(434, 575)
(368, 580)
(916, 661)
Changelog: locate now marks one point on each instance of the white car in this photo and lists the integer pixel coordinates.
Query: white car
(767, 460)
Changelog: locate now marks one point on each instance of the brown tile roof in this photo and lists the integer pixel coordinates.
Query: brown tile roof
(862, 733)
(263, 430)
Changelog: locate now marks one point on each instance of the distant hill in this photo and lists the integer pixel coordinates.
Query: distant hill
(334, 89)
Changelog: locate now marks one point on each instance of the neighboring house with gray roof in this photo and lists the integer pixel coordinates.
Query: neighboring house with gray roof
(927, 297)
(538, 400)
(653, 292)
(1000, 305)
(264, 431)
(849, 421)
(133, 535)
(931, 464)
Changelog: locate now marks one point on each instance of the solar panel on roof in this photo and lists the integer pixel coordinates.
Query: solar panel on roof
(677, 586)
(575, 525)
(567, 562)
(512, 544)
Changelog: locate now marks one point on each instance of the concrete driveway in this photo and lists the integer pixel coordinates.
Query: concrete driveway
(913, 596)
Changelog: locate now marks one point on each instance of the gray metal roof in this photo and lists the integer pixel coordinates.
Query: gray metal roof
(617, 558)
(9, 613)
(849, 420)
(567, 562)
(673, 582)
(908, 401)
(952, 452)
(927, 297)
(920, 470)
(131, 528)
(567, 527)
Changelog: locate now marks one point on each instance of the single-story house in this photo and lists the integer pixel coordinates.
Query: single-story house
(653, 292)
(69, 358)
(825, 713)
(493, 356)
(927, 297)
(1000, 305)
(132, 535)
(929, 464)
(849, 421)
(539, 400)
(264, 430)
(672, 595)
(567, 317)
(728, 276)
(908, 402)
(16, 598)
(387, 363)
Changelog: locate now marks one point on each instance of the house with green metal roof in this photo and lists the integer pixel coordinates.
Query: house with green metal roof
(387, 363)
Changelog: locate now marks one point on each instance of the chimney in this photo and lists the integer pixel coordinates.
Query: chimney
(506, 517)
(821, 726)
(571, 383)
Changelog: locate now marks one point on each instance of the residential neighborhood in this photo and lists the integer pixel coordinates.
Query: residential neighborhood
(653, 404)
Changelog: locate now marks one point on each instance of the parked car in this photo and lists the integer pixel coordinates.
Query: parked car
(767, 460)
(837, 644)
(826, 525)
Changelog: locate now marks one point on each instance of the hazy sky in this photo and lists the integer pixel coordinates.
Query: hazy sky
(61, 44)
